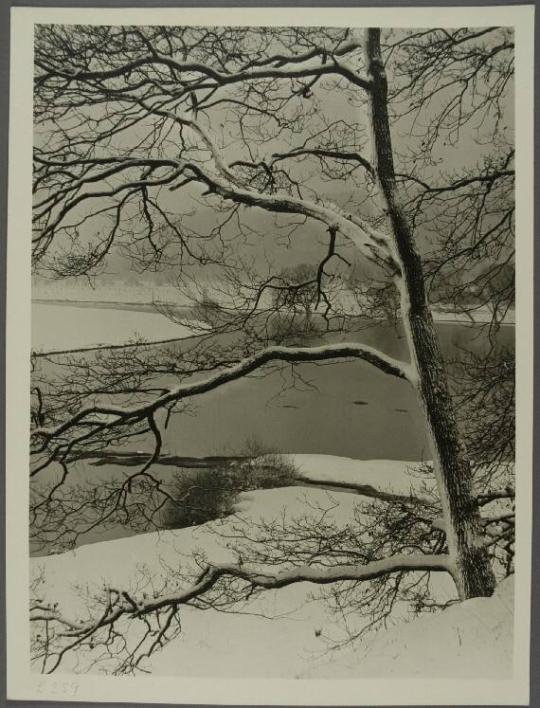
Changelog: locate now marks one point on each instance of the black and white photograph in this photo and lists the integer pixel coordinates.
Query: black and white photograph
(270, 368)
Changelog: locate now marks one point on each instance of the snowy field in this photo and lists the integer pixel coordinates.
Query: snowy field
(61, 327)
(287, 633)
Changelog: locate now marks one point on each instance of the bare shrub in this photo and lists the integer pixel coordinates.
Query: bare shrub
(202, 495)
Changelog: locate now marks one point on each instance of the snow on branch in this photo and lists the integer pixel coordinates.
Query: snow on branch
(103, 415)
(374, 244)
(159, 615)
(346, 156)
(318, 575)
(285, 68)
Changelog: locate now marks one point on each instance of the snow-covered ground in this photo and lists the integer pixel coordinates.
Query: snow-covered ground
(472, 639)
(389, 476)
(480, 315)
(285, 632)
(83, 291)
(63, 327)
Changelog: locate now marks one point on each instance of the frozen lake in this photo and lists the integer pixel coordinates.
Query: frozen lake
(56, 327)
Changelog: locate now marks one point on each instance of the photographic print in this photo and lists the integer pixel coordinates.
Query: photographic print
(268, 269)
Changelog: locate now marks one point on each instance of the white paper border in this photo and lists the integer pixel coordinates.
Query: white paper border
(22, 684)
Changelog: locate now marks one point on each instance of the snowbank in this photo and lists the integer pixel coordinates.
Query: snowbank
(390, 476)
(275, 638)
(471, 639)
(119, 562)
(480, 315)
(283, 633)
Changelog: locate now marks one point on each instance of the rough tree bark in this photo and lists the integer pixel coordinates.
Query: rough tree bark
(470, 564)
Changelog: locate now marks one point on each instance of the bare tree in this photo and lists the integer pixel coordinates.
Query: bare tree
(137, 126)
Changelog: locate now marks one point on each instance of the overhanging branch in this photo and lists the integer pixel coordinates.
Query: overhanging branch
(118, 604)
(101, 416)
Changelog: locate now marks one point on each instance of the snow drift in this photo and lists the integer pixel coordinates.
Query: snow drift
(284, 633)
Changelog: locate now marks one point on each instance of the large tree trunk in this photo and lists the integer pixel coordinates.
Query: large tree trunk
(471, 567)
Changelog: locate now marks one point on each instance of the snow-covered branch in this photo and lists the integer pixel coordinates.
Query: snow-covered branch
(104, 415)
(159, 615)
(212, 573)
(324, 153)
(286, 68)
(372, 243)
(221, 180)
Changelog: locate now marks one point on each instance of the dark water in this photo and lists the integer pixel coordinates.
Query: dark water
(347, 408)
(343, 408)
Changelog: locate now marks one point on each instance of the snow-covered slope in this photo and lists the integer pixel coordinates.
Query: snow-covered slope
(283, 634)
(472, 639)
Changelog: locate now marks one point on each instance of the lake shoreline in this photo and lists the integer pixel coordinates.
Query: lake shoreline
(441, 318)
(107, 305)
(360, 413)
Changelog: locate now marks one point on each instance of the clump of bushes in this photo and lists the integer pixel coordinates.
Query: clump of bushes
(201, 495)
